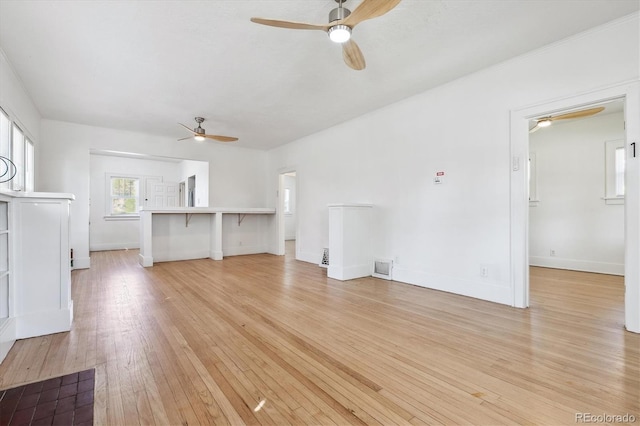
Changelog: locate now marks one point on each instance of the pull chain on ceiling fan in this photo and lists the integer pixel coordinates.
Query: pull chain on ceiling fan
(199, 133)
(341, 23)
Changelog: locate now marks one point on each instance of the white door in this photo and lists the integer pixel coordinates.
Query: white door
(162, 194)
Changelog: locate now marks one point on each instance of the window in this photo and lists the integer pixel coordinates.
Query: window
(619, 167)
(17, 151)
(29, 169)
(287, 201)
(614, 154)
(5, 149)
(123, 199)
(17, 173)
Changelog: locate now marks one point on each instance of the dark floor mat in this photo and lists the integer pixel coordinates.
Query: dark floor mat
(65, 400)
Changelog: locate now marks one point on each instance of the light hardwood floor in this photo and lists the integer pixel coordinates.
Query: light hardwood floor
(263, 339)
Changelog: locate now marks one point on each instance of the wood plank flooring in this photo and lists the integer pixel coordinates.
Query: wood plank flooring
(268, 340)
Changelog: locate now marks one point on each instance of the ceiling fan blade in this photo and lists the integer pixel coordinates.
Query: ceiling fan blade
(353, 55)
(369, 9)
(577, 114)
(184, 139)
(188, 128)
(221, 138)
(290, 24)
(534, 128)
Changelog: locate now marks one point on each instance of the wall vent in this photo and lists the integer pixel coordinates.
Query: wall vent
(382, 268)
(324, 263)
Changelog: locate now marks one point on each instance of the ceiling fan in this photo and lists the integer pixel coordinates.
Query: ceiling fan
(200, 135)
(341, 22)
(546, 121)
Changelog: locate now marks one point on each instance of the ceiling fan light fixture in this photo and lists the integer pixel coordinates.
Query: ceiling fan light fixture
(339, 33)
(199, 138)
(545, 122)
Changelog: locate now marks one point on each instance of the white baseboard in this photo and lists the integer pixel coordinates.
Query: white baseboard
(41, 323)
(311, 257)
(349, 272)
(81, 263)
(215, 255)
(145, 261)
(7, 337)
(183, 255)
(577, 265)
(483, 289)
(115, 246)
(242, 250)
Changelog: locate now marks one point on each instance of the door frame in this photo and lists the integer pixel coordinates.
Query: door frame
(519, 202)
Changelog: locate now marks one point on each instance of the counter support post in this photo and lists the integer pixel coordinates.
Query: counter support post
(216, 236)
(145, 257)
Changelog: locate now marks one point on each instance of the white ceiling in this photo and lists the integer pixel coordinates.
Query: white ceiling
(146, 65)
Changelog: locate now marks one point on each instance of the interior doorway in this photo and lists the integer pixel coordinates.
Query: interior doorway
(191, 191)
(520, 125)
(576, 205)
(288, 213)
(576, 190)
(181, 194)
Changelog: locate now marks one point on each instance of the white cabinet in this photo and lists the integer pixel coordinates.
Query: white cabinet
(35, 260)
(7, 326)
(4, 261)
(350, 251)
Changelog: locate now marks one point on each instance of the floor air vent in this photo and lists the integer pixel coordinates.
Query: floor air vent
(382, 268)
(324, 263)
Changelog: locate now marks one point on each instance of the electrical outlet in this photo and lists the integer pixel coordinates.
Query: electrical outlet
(552, 253)
(484, 271)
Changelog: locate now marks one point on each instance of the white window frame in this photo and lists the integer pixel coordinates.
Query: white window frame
(109, 215)
(611, 174)
(18, 147)
(17, 156)
(29, 165)
(5, 146)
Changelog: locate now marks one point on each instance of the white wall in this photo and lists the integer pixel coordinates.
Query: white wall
(237, 177)
(15, 101)
(441, 236)
(571, 217)
(200, 170)
(107, 233)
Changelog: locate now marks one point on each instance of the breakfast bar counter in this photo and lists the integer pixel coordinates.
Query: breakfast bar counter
(184, 233)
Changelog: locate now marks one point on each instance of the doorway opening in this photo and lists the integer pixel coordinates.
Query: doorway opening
(629, 94)
(191, 191)
(181, 194)
(287, 213)
(576, 223)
